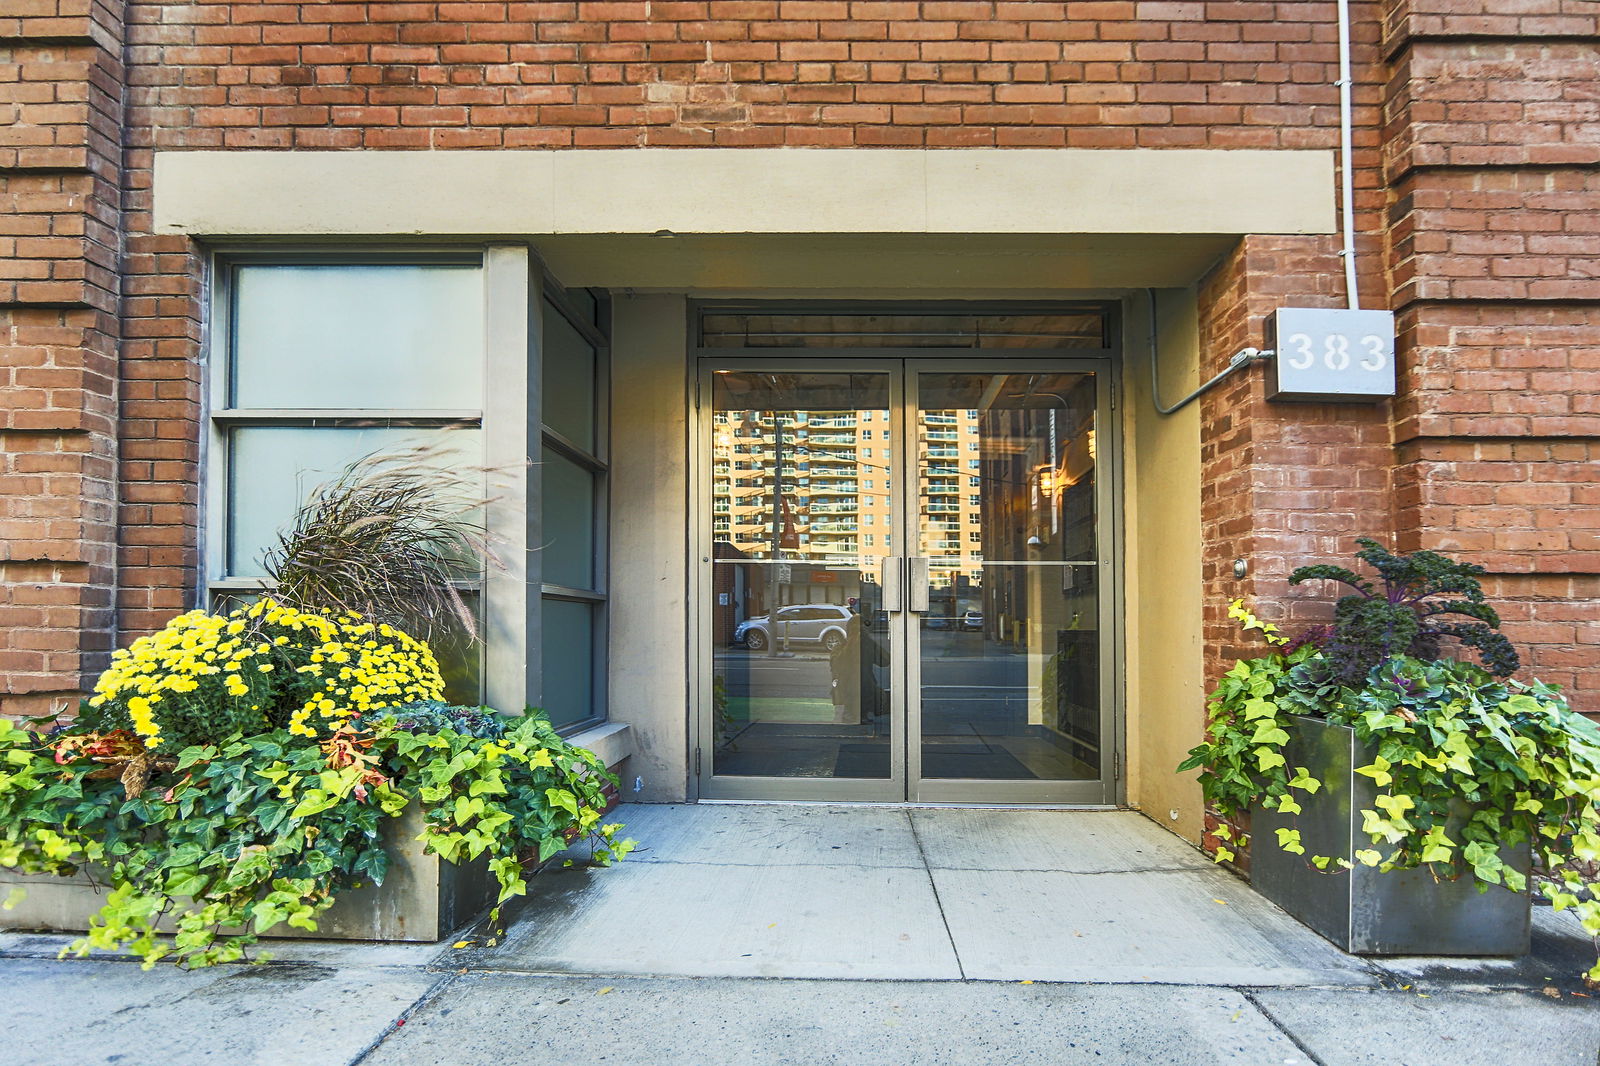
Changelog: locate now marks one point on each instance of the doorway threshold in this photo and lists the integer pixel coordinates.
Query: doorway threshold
(908, 805)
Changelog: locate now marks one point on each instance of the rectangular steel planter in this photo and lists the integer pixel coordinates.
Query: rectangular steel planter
(422, 898)
(1363, 911)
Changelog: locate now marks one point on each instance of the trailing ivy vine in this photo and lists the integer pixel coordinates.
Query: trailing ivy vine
(232, 773)
(226, 841)
(235, 772)
(1465, 764)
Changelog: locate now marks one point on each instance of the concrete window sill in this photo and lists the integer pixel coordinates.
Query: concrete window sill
(612, 741)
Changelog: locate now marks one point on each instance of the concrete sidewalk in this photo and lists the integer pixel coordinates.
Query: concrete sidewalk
(791, 934)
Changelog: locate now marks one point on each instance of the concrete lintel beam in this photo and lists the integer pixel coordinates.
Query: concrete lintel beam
(744, 191)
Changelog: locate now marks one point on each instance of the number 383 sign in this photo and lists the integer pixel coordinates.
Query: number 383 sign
(1328, 354)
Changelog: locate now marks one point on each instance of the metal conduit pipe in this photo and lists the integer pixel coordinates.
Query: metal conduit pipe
(1243, 357)
(1346, 178)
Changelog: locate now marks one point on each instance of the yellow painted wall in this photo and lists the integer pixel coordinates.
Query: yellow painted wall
(1165, 673)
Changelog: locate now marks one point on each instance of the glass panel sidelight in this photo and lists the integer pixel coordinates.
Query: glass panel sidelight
(568, 676)
(801, 516)
(1006, 517)
(569, 522)
(572, 506)
(569, 380)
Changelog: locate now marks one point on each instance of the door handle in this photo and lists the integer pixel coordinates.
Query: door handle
(889, 574)
(919, 583)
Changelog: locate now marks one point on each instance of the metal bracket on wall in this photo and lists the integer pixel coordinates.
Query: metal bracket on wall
(1242, 358)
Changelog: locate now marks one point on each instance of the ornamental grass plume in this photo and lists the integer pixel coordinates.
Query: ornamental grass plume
(387, 539)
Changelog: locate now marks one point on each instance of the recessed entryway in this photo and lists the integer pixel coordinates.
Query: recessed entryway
(907, 579)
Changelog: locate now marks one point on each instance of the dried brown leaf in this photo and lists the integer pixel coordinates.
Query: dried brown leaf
(136, 775)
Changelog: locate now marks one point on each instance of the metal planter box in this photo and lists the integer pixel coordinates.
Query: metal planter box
(422, 898)
(1363, 911)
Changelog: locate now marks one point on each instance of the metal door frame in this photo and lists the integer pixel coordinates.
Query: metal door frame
(1101, 791)
(902, 366)
(821, 789)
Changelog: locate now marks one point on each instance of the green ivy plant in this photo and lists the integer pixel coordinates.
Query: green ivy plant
(222, 842)
(233, 772)
(1446, 735)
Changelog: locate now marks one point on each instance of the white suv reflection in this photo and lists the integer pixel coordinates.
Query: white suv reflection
(826, 624)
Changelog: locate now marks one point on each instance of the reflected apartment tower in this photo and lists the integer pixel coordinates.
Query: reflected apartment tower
(822, 496)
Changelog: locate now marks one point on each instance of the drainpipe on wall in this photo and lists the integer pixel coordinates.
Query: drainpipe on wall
(1246, 356)
(1346, 177)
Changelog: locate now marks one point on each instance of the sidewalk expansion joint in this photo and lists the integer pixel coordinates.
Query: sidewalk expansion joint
(431, 993)
(632, 861)
(1069, 873)
(933, 886)
(923, 866)
(599, 977)
(1288, 1033)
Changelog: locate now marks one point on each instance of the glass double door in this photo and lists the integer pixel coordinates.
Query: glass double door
(905, 581)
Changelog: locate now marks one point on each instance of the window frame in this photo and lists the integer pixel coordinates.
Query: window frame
(220, 418)
(551, 294)
(517, 290)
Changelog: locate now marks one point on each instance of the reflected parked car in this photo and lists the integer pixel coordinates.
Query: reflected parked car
(972, 620)
(825, 624)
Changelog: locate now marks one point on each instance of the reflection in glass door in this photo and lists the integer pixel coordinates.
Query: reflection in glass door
(804, 508)
(1006, 575)
(906, 581)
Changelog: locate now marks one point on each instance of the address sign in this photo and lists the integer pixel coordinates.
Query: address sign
(1326, 354)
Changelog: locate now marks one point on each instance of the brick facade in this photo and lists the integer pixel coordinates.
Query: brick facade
(1476, 172)
(1492, 143)
(61, 227)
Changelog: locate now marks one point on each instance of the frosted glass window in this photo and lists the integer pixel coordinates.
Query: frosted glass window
(568, 380)
(568, 656)
(274, 468)
(339, 336)
(568, 522)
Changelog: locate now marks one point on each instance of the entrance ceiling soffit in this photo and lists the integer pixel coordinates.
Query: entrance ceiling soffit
(917, 264)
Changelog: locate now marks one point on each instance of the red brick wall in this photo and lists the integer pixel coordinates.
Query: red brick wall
(797, 72)
(61, 101)
(161, 428)
(1281, 484)
(1492, 142)
(1474, 203)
